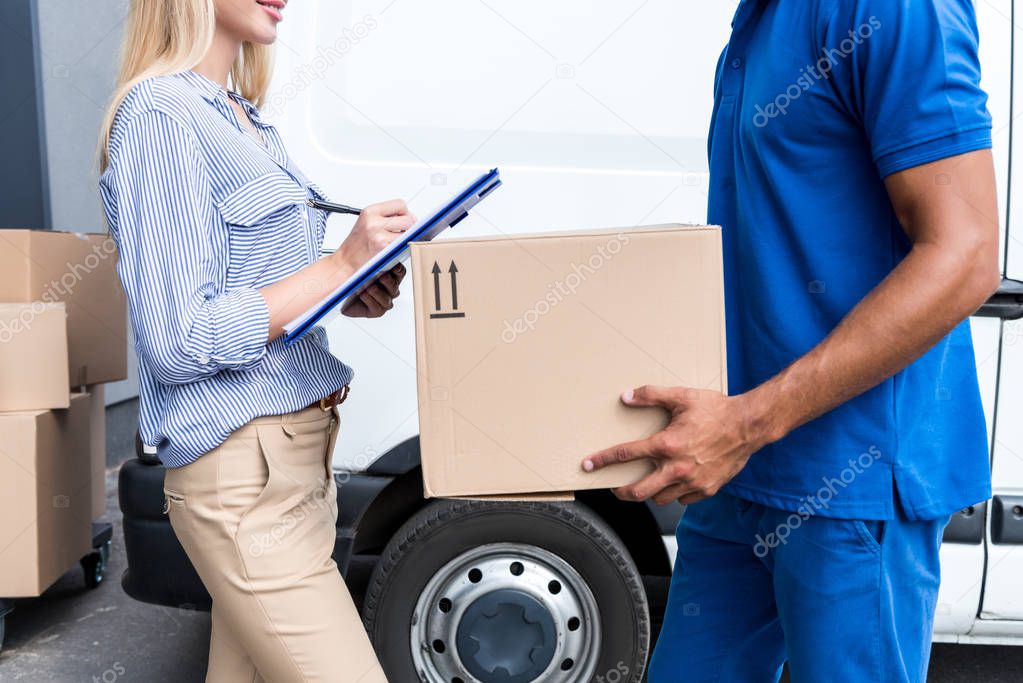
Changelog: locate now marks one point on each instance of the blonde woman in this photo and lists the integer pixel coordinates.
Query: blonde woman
(218, 250)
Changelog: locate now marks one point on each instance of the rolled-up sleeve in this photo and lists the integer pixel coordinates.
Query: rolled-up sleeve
(173, 257)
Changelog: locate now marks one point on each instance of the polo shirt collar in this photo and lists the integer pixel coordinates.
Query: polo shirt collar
(742, 12)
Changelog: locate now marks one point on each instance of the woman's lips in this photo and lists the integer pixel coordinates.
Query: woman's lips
(273, 8)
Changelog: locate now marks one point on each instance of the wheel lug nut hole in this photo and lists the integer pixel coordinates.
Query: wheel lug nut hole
(456, 679)
(554, 587)
(516, 568)
(438, 646)
(573, 624)
(567, 664)
(475, 575)
(444, 605)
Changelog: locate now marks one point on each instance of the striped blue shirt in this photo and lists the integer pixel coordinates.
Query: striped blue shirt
(204, 216)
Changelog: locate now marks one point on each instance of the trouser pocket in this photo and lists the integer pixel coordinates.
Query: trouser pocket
(871, 532)
(333, 429)
(290, 526)
(172, 498)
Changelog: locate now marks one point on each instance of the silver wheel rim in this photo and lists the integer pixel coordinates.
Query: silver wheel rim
(538, 578)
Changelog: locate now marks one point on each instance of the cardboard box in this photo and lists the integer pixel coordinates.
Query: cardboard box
(525, 344)
(98, 449)
(78, 269)
(44, 496)
(33, 357)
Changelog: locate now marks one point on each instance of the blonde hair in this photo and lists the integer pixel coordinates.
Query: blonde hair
(164, 37)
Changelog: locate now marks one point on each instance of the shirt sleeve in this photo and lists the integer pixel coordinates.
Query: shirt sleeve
(914, 78)
(172, 258)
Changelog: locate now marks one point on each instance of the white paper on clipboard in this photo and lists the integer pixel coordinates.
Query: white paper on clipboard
(443, 218)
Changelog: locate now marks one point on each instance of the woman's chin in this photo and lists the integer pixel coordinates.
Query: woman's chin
(261, 30)
(264, 36)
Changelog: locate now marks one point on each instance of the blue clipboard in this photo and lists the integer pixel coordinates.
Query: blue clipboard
(448, 216)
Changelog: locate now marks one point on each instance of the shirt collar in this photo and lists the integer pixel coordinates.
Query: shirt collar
(249, 108)
(212, 92)
(743, 11)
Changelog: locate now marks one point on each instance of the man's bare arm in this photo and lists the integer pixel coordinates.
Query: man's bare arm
(949, 211)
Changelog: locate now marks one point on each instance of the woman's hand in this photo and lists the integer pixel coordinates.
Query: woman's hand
(377, 226)
(378, 298)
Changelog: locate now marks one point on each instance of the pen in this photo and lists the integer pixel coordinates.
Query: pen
(332, 207)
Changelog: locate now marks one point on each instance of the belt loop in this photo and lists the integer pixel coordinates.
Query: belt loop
(286, 424)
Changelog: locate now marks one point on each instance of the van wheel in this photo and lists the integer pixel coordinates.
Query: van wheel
(507, 592)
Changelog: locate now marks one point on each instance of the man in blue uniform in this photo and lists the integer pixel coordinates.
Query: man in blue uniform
(851, 173)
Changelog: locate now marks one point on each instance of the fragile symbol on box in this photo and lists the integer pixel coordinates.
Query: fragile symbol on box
(438, 307)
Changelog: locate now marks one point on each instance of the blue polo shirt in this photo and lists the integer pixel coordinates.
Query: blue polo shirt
(815, 103)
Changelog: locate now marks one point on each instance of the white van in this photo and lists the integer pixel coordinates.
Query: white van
(596, 113)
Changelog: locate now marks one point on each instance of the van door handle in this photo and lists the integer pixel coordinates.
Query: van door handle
(1006, 303)
(1007, 520)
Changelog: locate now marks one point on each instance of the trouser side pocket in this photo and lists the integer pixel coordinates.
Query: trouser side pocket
(172, 498)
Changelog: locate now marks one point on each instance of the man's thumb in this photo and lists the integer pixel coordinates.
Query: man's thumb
(650, 396)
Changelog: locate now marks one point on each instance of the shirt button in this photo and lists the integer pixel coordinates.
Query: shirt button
(204, 360)
(736, 63)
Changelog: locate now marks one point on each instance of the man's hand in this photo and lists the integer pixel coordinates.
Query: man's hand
(948, 211)
(378, 298)
(708, 441)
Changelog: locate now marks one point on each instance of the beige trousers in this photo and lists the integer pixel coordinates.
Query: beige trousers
(257, 518)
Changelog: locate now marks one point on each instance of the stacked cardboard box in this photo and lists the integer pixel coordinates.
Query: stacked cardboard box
(63, 334)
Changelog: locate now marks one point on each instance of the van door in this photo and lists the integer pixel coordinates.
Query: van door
(1003, 591)
(963, 553)
(1003, 595)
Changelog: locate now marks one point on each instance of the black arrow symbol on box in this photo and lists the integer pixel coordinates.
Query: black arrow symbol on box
(436, 285)
(454, 285)
(453, 271)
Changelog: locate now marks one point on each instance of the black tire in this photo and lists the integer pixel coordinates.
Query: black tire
(445, 529)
